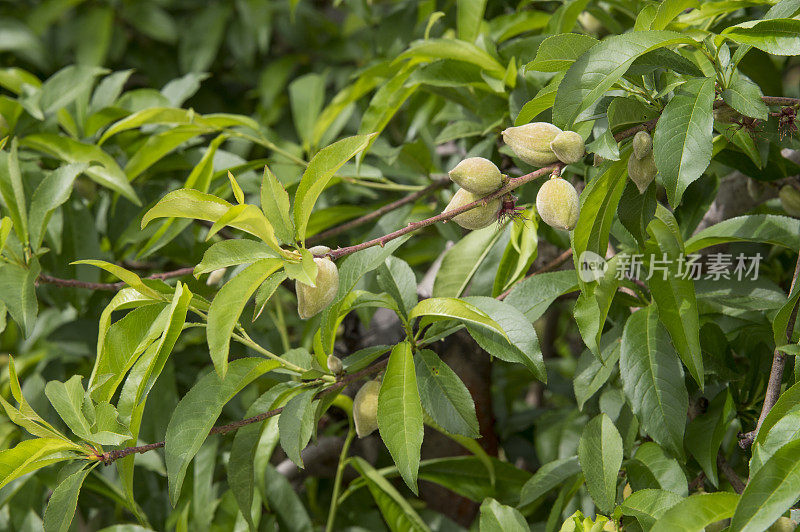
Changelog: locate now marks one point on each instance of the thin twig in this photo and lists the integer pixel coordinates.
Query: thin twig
(433, 187)
(728, 472)
(775, 372)
(111, 456)
(75, 283)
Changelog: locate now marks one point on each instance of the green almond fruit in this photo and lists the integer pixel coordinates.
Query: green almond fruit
(477, 175)
(642, 144)
(531, 142)
(477, 218)
(311, 300)
(558, 204)
(568, 147)
(365, 408)
(642, 171)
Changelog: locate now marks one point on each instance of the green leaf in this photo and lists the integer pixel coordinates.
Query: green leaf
(157, 146)
(68, 398)
(532, 296)
(318, 173)
(190, 203)
(705, 433)
(306, 97)
(461, 261)
(647, 506)
(558, 52)
(227, 306)
(13, 191)
(600, 456)
(593, 371)
(197, 411)
(395, 509)
(396, 278)
(697, 512)
(275, 204)
(776, 36)
(786, 402)
(516, 341)
(126, 276)
(444, 396)
(385, 103)
(594, 72)
(745, 96)
(52, 192)
(30, 455)
(547, 478)
(228, 253)
(296, 423)
(469, 18)
(454, 308)
(66, 85)
(282, 499)
(466, 52)
(543, 101)
(653, 380)
(773, 489)
(768, 228)
(106, 173)
(683, 137)
(63, 502)
(651, 467)
(496, 517)
(18, 292)
(675, 294)
(786, 430)
(400, 413)
(668, 10)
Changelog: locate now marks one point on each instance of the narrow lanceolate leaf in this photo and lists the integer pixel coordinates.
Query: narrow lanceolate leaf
(398, 514)
(13, 192)
(652, 378)
(400, 413)
(296, 423)
(227, 306)
(547, 478)
(558, 52)
(30, 455)
(594, 72)
(697, 512)
(454, 308)
(777, 36)
(275, 204)
(674, 292)
(318, 173)
(705, 433)
(397, 279)
(770, 492)
(745, 96)
(61, 506)
(496, 517)
(196, 413)
(600, 456)
(768, 228)
(683, 137)
(67, 398)
(444, 396)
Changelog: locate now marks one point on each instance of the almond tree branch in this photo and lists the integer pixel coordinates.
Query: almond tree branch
(410, 198)
(75, 283)
(111, 456)
(775, 373)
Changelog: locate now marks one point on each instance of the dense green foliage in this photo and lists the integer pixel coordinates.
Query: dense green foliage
(220, 143)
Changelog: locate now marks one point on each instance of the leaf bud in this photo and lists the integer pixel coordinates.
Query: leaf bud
(335, 364)
(790, 200)
(477, 175)
(642, 171)
(531, 142)
(642, 144)
(311, 300)
(568, 147)
(477, 218)
(365, 408)
(558, 204)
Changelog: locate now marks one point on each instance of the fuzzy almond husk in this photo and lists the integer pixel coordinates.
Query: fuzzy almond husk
(642, 144)
(531, 142)
(477, 175)
(558, 204)
(642, 171)
(568, 147)
(311, 300)
(365, 408)
(477, 218)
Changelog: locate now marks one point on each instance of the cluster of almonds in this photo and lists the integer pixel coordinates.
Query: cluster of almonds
(537, 144)
(641, 165)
